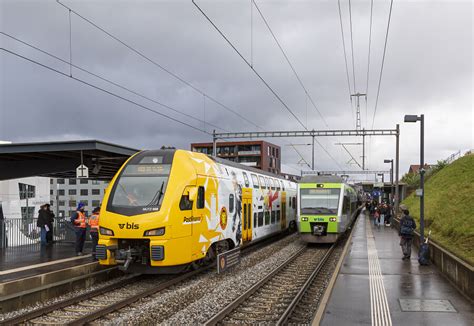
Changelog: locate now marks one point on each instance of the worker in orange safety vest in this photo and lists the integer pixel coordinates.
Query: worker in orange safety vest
(94, 231)
(79, 220)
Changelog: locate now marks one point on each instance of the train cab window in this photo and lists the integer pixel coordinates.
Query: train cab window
(255, 181)
(246, 179)
(201, 198)
(262, 181)
(185, 204)
(231, 203)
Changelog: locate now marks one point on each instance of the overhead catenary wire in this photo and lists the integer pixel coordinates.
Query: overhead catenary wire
(308, 95)
(352, 47)
(155, 63)
(370, 42)
(345, 55)
(103, 90)
(259, 76)
(383, 61)
(107, 80)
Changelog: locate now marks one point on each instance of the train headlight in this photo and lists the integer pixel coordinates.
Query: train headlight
(154, 232)
(304, 219)
(332, 219)
(105, 231)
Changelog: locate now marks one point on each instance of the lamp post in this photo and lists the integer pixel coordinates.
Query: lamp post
(391, 178)
(421, 118)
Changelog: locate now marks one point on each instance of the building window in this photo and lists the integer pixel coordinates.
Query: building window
(72, 181)
(71, 213)
(85, 202)
(61, 203)
(51, 192)
(61, 213)
(95, 182)
(84, 181)
(84, 192)
(61, 181)
(51, 181)
(26, 191)
(27, 212)
(72, 192)
(96, 191)
(268, 150)
(276, 153)
(72, 203)
(51, 203)
(61, 192)
(95, 203)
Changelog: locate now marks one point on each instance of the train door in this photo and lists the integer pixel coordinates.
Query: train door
(246, 215)
(283, 210)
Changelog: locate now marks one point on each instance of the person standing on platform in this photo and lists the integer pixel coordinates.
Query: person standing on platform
(407, 227)
(79, 220)
(45, 223)
(94, 231)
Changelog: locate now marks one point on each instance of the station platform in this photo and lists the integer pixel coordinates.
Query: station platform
(30, 260)
(376, 287)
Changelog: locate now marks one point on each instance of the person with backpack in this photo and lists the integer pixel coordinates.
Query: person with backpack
(79, 220)
(407, 228)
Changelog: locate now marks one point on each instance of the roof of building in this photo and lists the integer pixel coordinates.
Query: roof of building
(414, 168)
(60, 159)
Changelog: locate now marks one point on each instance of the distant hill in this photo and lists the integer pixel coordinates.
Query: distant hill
(449, 207)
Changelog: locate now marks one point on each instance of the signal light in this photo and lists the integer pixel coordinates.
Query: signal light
(304, 219)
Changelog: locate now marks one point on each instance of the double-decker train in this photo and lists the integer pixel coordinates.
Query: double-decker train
(169, 210)
(326, 208)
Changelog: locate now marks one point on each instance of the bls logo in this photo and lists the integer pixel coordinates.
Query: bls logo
(129, 226)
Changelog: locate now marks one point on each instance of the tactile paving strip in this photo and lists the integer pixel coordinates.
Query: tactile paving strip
(426, 305)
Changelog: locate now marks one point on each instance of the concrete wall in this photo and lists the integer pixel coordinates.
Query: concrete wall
(459, 272)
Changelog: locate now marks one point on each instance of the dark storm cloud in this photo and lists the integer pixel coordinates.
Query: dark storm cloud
(428, 69)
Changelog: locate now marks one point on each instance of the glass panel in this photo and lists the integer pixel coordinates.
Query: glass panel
(320, 201)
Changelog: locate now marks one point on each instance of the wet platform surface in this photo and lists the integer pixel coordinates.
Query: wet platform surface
(24, 261)
(406, 293)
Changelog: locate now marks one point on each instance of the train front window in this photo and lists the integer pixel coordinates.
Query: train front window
(319, 201)
(140, 188)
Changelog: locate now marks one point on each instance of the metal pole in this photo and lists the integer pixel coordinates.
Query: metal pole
(391, 183)
(422, 178)
(397, 166)
(312, 156)
(363, 149)
(214, 143)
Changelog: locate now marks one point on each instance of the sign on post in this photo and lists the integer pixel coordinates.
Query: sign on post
(82, 171)
(419, 192)
(228, 259)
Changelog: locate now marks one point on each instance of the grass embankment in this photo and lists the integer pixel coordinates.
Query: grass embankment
(449, 207)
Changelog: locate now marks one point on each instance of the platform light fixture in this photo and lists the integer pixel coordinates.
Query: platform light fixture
(421, 118)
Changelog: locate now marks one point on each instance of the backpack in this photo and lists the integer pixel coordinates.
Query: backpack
(406, 228)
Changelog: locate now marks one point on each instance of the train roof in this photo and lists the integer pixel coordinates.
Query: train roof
(245, 167)
(314, 178)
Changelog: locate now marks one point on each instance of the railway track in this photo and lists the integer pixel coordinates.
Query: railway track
(273, 299)
(98, 303)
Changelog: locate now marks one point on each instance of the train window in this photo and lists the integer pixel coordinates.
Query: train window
(346, 205)
(260, 218)
(267, 217)
(278, 216)
(185, 204)
(277, 183)
(255, 181)
(231, 203)
(294, 202)
(246, 179)
(267, 182)
(262, 181)
(255, 220)
(245, 217)
(201, 197)
(273, 217)
(282, 185)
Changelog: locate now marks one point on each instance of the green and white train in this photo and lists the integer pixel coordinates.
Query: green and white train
(326, 208)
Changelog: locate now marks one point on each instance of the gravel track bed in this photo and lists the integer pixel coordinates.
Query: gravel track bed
(268, 303)
(304, 312)
(196, 300)
(69, 295)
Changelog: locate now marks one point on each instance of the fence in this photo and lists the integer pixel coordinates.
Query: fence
(16, 232)
(453, 157)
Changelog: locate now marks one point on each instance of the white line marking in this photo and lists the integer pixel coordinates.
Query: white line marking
(379, 309)
(53, 262)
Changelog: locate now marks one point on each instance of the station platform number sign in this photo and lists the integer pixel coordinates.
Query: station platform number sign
(228, 259)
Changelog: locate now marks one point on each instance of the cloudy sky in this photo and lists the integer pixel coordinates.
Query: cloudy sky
(428, 69)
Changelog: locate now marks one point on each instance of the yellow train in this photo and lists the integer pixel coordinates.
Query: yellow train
(168, 210)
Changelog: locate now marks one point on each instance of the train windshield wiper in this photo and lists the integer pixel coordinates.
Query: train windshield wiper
(157, 197)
